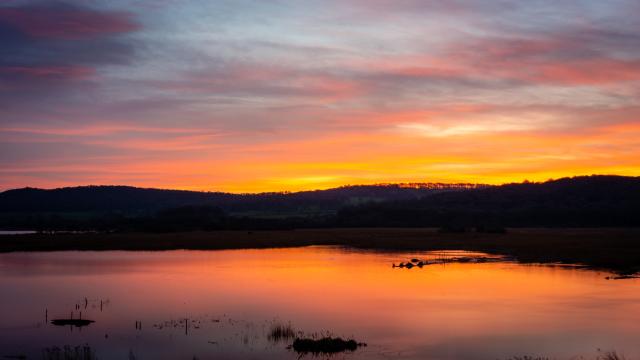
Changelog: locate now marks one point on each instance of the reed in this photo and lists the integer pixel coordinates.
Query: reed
(68, 352)
(280, 332)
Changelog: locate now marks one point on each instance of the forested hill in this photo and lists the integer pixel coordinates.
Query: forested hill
(579, 201)
(132, 200)
(586, 201)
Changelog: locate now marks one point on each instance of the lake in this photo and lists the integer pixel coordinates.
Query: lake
(223, 304)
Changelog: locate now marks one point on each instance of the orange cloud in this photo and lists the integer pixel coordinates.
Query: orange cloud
(338, 159)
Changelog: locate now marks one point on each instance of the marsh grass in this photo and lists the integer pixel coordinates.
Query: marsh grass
(281, 332)
(324, 343)
(611, 355)
(69, 353)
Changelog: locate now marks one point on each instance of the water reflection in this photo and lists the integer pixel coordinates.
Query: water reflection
(225, 304)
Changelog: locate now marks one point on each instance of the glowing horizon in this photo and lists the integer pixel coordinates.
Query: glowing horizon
(252, 96)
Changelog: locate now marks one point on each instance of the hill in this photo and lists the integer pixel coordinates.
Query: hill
(579, 201)
(132, 200)
(586, 201)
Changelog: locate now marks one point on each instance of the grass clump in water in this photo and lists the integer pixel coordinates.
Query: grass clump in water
(280, 332)
(325, 345)
(69, 353)
(611, 355)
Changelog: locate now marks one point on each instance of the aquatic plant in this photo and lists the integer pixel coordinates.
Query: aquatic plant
(611, 355)
(324, 345)
(72, 322)
(280, 332)
(67, 352)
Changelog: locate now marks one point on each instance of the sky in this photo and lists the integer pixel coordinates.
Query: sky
(252, 96)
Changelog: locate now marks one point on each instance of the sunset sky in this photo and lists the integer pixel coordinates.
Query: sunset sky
(248, 96)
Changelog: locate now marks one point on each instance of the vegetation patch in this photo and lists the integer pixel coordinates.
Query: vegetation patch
(280, 332)
(71, 322)
(324, 345)
(69, 353)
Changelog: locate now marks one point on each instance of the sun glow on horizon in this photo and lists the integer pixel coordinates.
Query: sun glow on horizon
(208, 97)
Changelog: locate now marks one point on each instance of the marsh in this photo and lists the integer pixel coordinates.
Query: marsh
(224, 304)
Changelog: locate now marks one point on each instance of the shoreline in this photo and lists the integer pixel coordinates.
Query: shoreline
(611, 249)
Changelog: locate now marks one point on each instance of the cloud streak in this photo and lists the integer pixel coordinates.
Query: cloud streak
(255, 96)
(65, 21)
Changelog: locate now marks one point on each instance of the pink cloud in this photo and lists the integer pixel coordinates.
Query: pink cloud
(565, 59)
(587, 72)
(266, 81)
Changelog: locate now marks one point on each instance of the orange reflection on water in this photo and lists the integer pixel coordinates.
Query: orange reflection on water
(490, 310)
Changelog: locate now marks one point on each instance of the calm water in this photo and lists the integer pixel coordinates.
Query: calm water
(232, 298)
